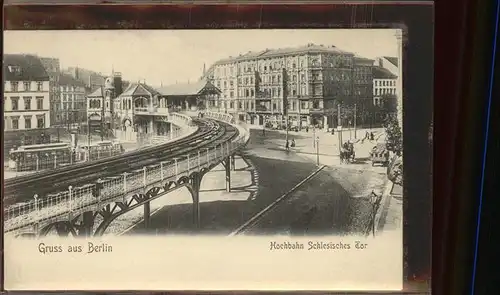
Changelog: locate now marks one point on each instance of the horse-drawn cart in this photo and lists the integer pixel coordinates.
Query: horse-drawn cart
(379, 155)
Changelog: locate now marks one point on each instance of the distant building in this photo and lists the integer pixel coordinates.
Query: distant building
(71, 107)
(26, 100)
(53, 68)
(384, 83)
(91, 79)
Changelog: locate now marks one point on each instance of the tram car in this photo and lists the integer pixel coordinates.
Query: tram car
(99, 150)
(39, 156)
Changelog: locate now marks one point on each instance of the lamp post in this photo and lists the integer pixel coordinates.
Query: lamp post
(314, 136)
(317, 150)
(375, 202)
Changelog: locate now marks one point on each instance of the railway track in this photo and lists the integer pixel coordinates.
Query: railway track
(210, 134)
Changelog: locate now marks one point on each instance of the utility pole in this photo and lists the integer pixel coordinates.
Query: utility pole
(285, 101)
(355, 121)
(339, 131)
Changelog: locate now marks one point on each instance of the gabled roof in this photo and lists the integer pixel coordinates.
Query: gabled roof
(392, 60)
(97, 93)
(23, 67)
(137, 89)
(65, 79)
(186, 88)
(382, 73)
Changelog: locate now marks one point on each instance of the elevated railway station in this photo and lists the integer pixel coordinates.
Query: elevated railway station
(82, 193)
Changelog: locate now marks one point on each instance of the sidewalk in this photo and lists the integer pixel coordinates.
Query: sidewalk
(390, 215)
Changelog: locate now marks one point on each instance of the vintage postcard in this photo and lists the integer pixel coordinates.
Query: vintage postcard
(203, 159)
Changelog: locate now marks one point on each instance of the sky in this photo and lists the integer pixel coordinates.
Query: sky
(177, 56)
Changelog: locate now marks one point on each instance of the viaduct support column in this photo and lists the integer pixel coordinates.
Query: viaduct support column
(233, 163)
(87, 224)
(147, 213)
(195, 183)
(227, 165)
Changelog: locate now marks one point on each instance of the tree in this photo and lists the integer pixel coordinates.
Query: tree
(389, 104)
(394, 140)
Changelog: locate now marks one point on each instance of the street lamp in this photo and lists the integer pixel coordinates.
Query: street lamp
(317, 150)
(314, 135)
(375, 202)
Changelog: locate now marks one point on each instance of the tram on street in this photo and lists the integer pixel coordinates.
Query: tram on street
(39, 156)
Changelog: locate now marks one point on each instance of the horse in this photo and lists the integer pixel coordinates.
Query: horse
(347, 154)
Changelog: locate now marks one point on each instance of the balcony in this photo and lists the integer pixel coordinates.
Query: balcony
(146, 110)
(316, 110)
(316, 81)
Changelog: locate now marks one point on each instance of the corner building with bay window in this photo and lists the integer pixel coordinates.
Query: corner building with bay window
(306, 83)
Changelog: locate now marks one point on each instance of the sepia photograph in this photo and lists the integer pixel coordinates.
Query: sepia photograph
(114, 138)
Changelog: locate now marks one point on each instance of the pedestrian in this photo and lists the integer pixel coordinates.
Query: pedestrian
(264, 131)
(367, 135)
(287, 146)
(372, 137)
(333, 131)
(307, 128)
(293, 142)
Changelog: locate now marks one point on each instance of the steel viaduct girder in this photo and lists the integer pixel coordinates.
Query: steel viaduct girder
(83, 224)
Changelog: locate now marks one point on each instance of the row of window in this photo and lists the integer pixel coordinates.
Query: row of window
(274, 106)
(385, 83)
(268, 66)
(26, 100)
(14, 86)
(277, 79)
(71, 89)
(12, 123)
(383, 91)
(71, 96)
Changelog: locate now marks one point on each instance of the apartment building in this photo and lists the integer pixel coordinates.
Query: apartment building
(26, 100)
(384, 83)
(53, 68)
(71, 107)
(306, 83)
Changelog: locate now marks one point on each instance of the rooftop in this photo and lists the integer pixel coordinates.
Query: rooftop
(65, 79)
(97, 92)
(23, 67)
(185, 88)
(309, 48)
(135, 89)
(393, 60)
(382, 73)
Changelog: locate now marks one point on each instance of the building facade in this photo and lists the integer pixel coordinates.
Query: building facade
(304, 83)
(26, 100)
(53, 68)
(384, 83)
(71, 107)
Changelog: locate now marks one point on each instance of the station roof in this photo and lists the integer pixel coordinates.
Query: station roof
(139, 89)
(186, 89)
(382, 73)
